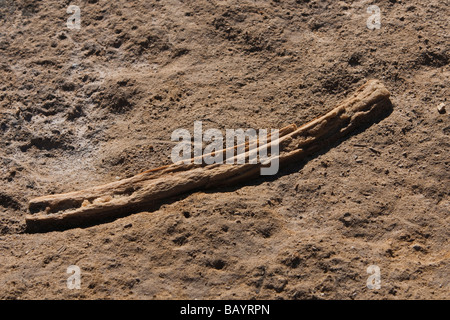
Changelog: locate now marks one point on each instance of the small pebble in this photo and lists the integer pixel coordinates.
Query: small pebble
(441, 108)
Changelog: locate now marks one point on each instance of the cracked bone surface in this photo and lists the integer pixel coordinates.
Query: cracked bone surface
(96, 204)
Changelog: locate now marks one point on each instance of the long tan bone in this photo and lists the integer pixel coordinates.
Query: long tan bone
(152, 186)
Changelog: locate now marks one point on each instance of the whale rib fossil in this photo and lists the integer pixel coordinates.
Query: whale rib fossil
(103, 202)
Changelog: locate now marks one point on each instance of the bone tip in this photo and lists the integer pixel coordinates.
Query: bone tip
(377, 85)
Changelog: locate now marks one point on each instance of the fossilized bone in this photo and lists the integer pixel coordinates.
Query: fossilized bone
(105, 201)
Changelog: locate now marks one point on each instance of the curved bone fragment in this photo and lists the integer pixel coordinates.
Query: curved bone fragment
(103, 202)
